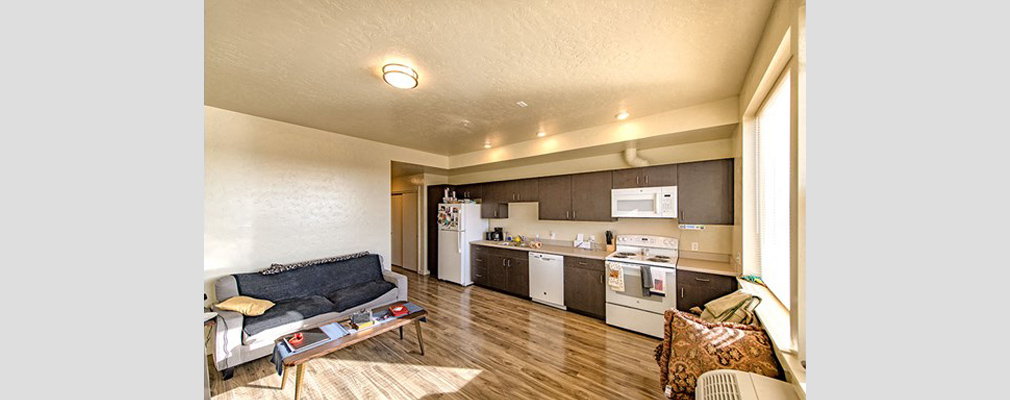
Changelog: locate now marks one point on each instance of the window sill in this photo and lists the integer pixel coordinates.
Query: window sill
(775, 319)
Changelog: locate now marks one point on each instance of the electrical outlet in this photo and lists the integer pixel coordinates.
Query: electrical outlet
(694, 246)
(553, 236)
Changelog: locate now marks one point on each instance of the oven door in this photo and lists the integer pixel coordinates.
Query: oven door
(635, 203)
(632, 295)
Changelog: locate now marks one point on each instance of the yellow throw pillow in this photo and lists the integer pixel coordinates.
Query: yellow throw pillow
(248, 306)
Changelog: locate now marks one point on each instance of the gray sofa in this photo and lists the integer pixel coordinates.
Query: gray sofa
(304, 298)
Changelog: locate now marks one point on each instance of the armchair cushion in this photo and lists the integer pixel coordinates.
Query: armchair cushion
(348, 297)
(287, 311)
(692, 347)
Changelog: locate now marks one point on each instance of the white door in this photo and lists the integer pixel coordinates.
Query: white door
(450, 257)
(397, 230)
(410, 223)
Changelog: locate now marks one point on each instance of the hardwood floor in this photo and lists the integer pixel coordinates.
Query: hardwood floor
(479, 344)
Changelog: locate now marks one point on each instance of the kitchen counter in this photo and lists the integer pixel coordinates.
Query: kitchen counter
(706, 266)
(565, 251)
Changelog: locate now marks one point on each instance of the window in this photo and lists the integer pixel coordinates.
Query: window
(772, 133)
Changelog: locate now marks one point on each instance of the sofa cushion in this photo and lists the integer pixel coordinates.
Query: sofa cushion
(285, 312)
(319, 280)
(350, 297)
(692, 347)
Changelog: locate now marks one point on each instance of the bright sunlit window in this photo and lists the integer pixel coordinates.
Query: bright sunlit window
(772, 147)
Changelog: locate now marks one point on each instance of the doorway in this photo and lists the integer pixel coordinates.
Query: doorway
(404, 232)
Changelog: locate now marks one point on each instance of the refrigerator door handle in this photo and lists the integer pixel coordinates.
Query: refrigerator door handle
(459, 243)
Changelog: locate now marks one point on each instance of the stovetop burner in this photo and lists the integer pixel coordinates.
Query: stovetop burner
(662, 259)
(624, 254)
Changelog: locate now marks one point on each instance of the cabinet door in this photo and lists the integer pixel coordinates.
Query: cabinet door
(628, 178)
(705, 192)
(496, 270)
(660, 175)
(694, 289)
(555, 197)
(494, 203)
(472, 191)
(518, 276)
(525, 190)
(585, 291)
(591, 196)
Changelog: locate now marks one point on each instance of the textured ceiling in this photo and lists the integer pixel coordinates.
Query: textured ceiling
(576, 63)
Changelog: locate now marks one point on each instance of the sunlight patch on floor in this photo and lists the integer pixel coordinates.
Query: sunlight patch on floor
(371, 379)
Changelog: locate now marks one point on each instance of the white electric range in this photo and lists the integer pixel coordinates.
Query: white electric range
(636, 307)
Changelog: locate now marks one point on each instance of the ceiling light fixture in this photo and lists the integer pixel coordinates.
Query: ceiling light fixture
(399, 76)
(541, 134)
(623, 115)
(521, 104)
(487, 145)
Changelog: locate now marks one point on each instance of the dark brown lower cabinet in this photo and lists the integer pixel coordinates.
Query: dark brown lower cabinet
(694, 289)
(585, 290)
(478, 265)
(501, 269)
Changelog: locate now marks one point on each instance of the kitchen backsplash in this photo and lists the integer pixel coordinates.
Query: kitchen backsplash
(523, 220)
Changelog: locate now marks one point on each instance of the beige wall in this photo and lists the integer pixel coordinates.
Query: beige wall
(276, 192)
(523, 220)
(708, 150)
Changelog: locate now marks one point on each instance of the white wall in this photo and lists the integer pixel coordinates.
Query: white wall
(277, 192)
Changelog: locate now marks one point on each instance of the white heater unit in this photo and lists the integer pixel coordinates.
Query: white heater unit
(728, 384)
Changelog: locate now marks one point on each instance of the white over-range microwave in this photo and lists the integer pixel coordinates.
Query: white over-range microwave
(648, 202)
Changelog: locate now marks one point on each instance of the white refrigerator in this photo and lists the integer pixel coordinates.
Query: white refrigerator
(458, 225)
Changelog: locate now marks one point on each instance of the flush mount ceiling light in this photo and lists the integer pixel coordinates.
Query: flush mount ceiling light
(623, 115)
(399, 76)
(487, 145)
(541, 134)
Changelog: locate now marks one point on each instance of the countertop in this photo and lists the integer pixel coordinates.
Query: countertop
(566, 251)
(706, 266)
(687, 264)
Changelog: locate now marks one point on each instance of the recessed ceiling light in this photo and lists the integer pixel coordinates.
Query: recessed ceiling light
(521, 104)
(541, 134)
(623, 115)
(399, 76)
(487, 145)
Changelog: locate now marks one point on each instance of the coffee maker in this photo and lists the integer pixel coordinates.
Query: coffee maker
(497, 234)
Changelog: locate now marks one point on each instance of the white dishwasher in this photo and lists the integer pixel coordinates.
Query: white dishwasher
(547, 279)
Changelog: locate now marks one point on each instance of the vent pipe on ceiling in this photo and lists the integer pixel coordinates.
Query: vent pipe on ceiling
(631, 157)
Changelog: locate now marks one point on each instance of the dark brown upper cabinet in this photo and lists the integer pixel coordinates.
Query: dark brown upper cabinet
(494, 203)
(705, 192)
(591, 196)
(522, 190)
(659, 175)
(555, 194)
(471, 191)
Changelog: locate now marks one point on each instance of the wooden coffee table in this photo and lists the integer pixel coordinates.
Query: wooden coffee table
(298, 360)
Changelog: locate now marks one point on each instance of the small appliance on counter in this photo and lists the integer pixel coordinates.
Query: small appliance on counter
(497, 234)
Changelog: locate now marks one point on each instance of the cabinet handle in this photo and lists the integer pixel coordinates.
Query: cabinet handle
(573, 214)
(682, 292)
(636, 180)
(582, 263)
(701, 280)
(479, 259)
(601, 278)
(646, 179)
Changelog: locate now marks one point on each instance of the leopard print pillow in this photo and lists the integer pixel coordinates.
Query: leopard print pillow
(692, 347)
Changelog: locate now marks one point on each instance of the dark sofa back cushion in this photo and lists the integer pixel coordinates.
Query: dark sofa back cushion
(313, 280)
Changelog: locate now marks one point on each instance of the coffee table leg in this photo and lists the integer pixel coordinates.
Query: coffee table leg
(420, 340)
(299, 373)
(401, 333)
(284, 377)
